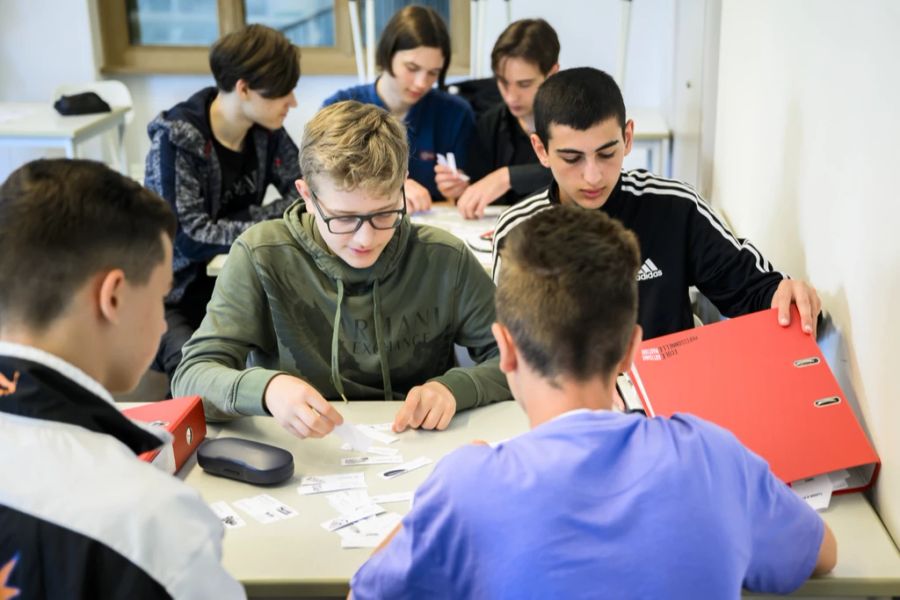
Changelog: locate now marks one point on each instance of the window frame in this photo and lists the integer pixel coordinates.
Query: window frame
(120, 56)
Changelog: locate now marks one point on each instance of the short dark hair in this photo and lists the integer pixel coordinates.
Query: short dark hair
(533, 40)
(261, 56)
(568, 291)
(412, 27)
(578, 98)
(62, 221)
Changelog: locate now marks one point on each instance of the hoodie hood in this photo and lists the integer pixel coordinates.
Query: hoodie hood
(303, 228)
(187, 124)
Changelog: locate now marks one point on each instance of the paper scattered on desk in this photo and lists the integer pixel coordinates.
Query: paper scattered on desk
(348, 501)
(368, 533)
(315, 484)
(406, 467)
(376, 433)
(353, 437)
(389, 498)
(839, 479)
(377, 450)
(450, 161)
(265, 509)
(816, 491)
(356, 461)
(229, 518)
(363, 512)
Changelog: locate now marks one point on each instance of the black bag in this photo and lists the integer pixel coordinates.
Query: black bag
(86, 103)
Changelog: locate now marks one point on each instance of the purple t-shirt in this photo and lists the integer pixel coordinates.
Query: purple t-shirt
(600, 505)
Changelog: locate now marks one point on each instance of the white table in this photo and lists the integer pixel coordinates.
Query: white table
(443, 216)
(37, 124)
(298, 558)
(650, 128)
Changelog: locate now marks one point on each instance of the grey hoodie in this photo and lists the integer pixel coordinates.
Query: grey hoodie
(284, 304)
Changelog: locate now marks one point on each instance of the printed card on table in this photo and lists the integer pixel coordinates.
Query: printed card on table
(316, 484)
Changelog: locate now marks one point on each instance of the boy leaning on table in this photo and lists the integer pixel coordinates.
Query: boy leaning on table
(592, 503)
(344, 298)
(86, 260)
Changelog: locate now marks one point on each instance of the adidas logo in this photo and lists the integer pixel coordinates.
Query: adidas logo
(648, 271)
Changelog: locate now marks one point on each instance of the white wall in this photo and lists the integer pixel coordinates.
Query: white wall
(806, 165)
(43, 43)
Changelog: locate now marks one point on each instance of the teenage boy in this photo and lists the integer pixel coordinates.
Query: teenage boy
(503, 165)
(346, 299)
(592, 503)
(86, 259)
(212, 158)
(581, 134)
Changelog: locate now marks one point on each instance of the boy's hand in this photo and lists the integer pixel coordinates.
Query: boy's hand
(475, 199)
(417, 197)
(299, 408)
(451, 185)
(792, 291)
(429, 406)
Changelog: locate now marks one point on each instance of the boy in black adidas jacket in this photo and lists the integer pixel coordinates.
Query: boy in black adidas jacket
(581, 134)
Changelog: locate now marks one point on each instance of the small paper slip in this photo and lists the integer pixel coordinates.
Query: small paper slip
(363, 512)
(356, 461)
(229, 518)
(353, 436)
(839, 479)
(349, 501)
(378, 525)
(406, 467)
(316, 484)
(377, 435)
(386, 427)
(388, 498)
(450, 161)
(368, 533)
(816, 491)
(377, 450)
(265, 509)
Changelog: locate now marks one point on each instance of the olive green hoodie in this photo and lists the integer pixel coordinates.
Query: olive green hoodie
(284, 304)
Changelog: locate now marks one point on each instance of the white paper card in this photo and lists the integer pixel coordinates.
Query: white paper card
(356, 461)
(361, 513)
(349, 501)
(816, 491)
(379, 525)
(389, 498)
(316, 484)
(229, 518)
(368, 533)
(265, 508)
(352, 436)
(377, 450)
(406, 467)
(378, 436)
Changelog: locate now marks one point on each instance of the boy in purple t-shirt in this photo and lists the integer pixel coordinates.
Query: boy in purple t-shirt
(591, 502)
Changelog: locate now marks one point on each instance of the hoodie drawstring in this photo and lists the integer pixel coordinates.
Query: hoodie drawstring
(335, 366)
(379, 341)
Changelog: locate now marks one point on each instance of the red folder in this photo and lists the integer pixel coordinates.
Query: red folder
(183, 418)
(767, 384)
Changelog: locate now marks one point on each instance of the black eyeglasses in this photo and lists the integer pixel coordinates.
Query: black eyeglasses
(386, 219)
